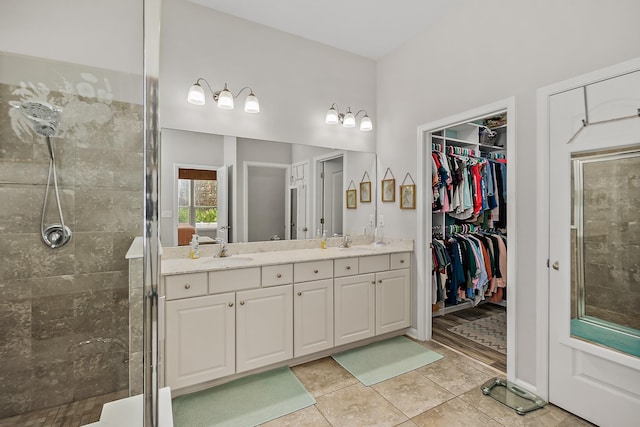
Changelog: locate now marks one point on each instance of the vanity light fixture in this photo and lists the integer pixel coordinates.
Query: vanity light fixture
(224, 98)
(348, 119)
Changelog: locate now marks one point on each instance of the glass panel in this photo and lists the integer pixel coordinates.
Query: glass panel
(606, 249)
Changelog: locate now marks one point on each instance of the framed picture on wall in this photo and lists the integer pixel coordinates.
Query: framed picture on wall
(389, 190)
(351, 199)
(408, 196)
(365, 192)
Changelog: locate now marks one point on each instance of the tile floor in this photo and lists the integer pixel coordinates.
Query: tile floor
(445, 393)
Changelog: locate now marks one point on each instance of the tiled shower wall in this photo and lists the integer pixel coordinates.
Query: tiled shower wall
(54, 300)
(612, 240)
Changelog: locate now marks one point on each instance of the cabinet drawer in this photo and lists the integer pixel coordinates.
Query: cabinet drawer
(185, 285)
(374, 263)
(234, 280)
(345, 267)
(401, 260)
(273, 275)
(313, 270)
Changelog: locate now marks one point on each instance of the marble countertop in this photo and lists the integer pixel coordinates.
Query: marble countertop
(180, 265)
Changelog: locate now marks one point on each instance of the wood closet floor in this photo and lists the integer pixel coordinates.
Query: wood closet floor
(472, 349)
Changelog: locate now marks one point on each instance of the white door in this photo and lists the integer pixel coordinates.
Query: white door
(264, 332)
(200, 339)
(393, 300)
(594, 282)
(312, 317)
(223, 200)
(354, 308)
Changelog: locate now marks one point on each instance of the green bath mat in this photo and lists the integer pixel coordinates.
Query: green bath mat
(382, 360)
(247, 401)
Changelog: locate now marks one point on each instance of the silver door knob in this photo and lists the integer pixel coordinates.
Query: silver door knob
(556, 265)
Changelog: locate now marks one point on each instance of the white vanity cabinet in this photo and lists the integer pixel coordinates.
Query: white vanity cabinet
(227, 321)
(199, 339)
(312, 317)
(376, 303)
(264, 327)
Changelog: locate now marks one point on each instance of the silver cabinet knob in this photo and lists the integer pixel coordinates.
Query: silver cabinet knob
(380, 281)
(187, 286)
(230, 304)
(278, 275)
(315, 271)
(241, 302)
(401, 261)
(373, 282)
(556, 265)
(348, 267)
(299, 294)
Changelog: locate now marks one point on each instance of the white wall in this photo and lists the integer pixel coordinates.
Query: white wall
(52, 30)
(182, 148)
(296, 80)
(488, 51)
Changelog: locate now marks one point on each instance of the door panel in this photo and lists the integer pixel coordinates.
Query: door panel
(594, 270)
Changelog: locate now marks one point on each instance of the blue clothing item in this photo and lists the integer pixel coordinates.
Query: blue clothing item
(456, 273)
(503, 169)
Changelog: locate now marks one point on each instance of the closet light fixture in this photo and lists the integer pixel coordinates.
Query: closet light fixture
(224, 98)
(348, 119)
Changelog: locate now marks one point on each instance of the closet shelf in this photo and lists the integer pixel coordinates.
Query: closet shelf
(490, 147)
(458, 141)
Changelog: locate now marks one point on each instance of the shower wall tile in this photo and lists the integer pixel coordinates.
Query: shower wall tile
(16, 290)
(94, 210)
(15, 323)
(18, 211)
(133, 164)
(94, 252)
(95, 167)
(136, 376)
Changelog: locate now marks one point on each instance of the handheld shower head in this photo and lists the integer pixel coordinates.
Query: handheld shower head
(44, 117)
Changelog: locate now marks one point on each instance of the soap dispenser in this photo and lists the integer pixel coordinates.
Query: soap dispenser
(195, 247)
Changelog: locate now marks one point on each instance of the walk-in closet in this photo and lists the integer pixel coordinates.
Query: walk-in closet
(469, 229)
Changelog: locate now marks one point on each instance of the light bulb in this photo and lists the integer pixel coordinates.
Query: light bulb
(225, 99)
(365, 124)
(251, 104)
(196, 95)
(332, 117)
(349, 120)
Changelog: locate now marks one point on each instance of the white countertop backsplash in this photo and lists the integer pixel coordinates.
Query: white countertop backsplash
(175, 260)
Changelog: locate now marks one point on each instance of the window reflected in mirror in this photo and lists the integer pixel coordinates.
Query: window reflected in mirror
(197, 204)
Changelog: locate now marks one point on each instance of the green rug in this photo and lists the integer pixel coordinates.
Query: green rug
(382, 360)
(247, 401)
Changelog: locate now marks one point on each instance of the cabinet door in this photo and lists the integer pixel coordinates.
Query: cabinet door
(393, 300)
(354, 308)
(200, 339)
(264, 330)
(312, 317)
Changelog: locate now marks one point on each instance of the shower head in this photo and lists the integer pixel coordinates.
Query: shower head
(43, 116)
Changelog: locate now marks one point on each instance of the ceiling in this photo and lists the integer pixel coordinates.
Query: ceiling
(364, 27)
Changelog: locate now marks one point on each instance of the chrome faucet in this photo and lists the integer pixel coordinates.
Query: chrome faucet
(346, 241)
(224, 251)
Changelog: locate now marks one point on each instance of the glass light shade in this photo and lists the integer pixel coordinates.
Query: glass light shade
(332, 117)
(196, 95)
(251, 104)
(349, 120)
(365, 124)
(225, 99)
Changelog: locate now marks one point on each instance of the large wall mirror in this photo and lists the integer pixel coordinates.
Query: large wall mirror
(249, 190)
